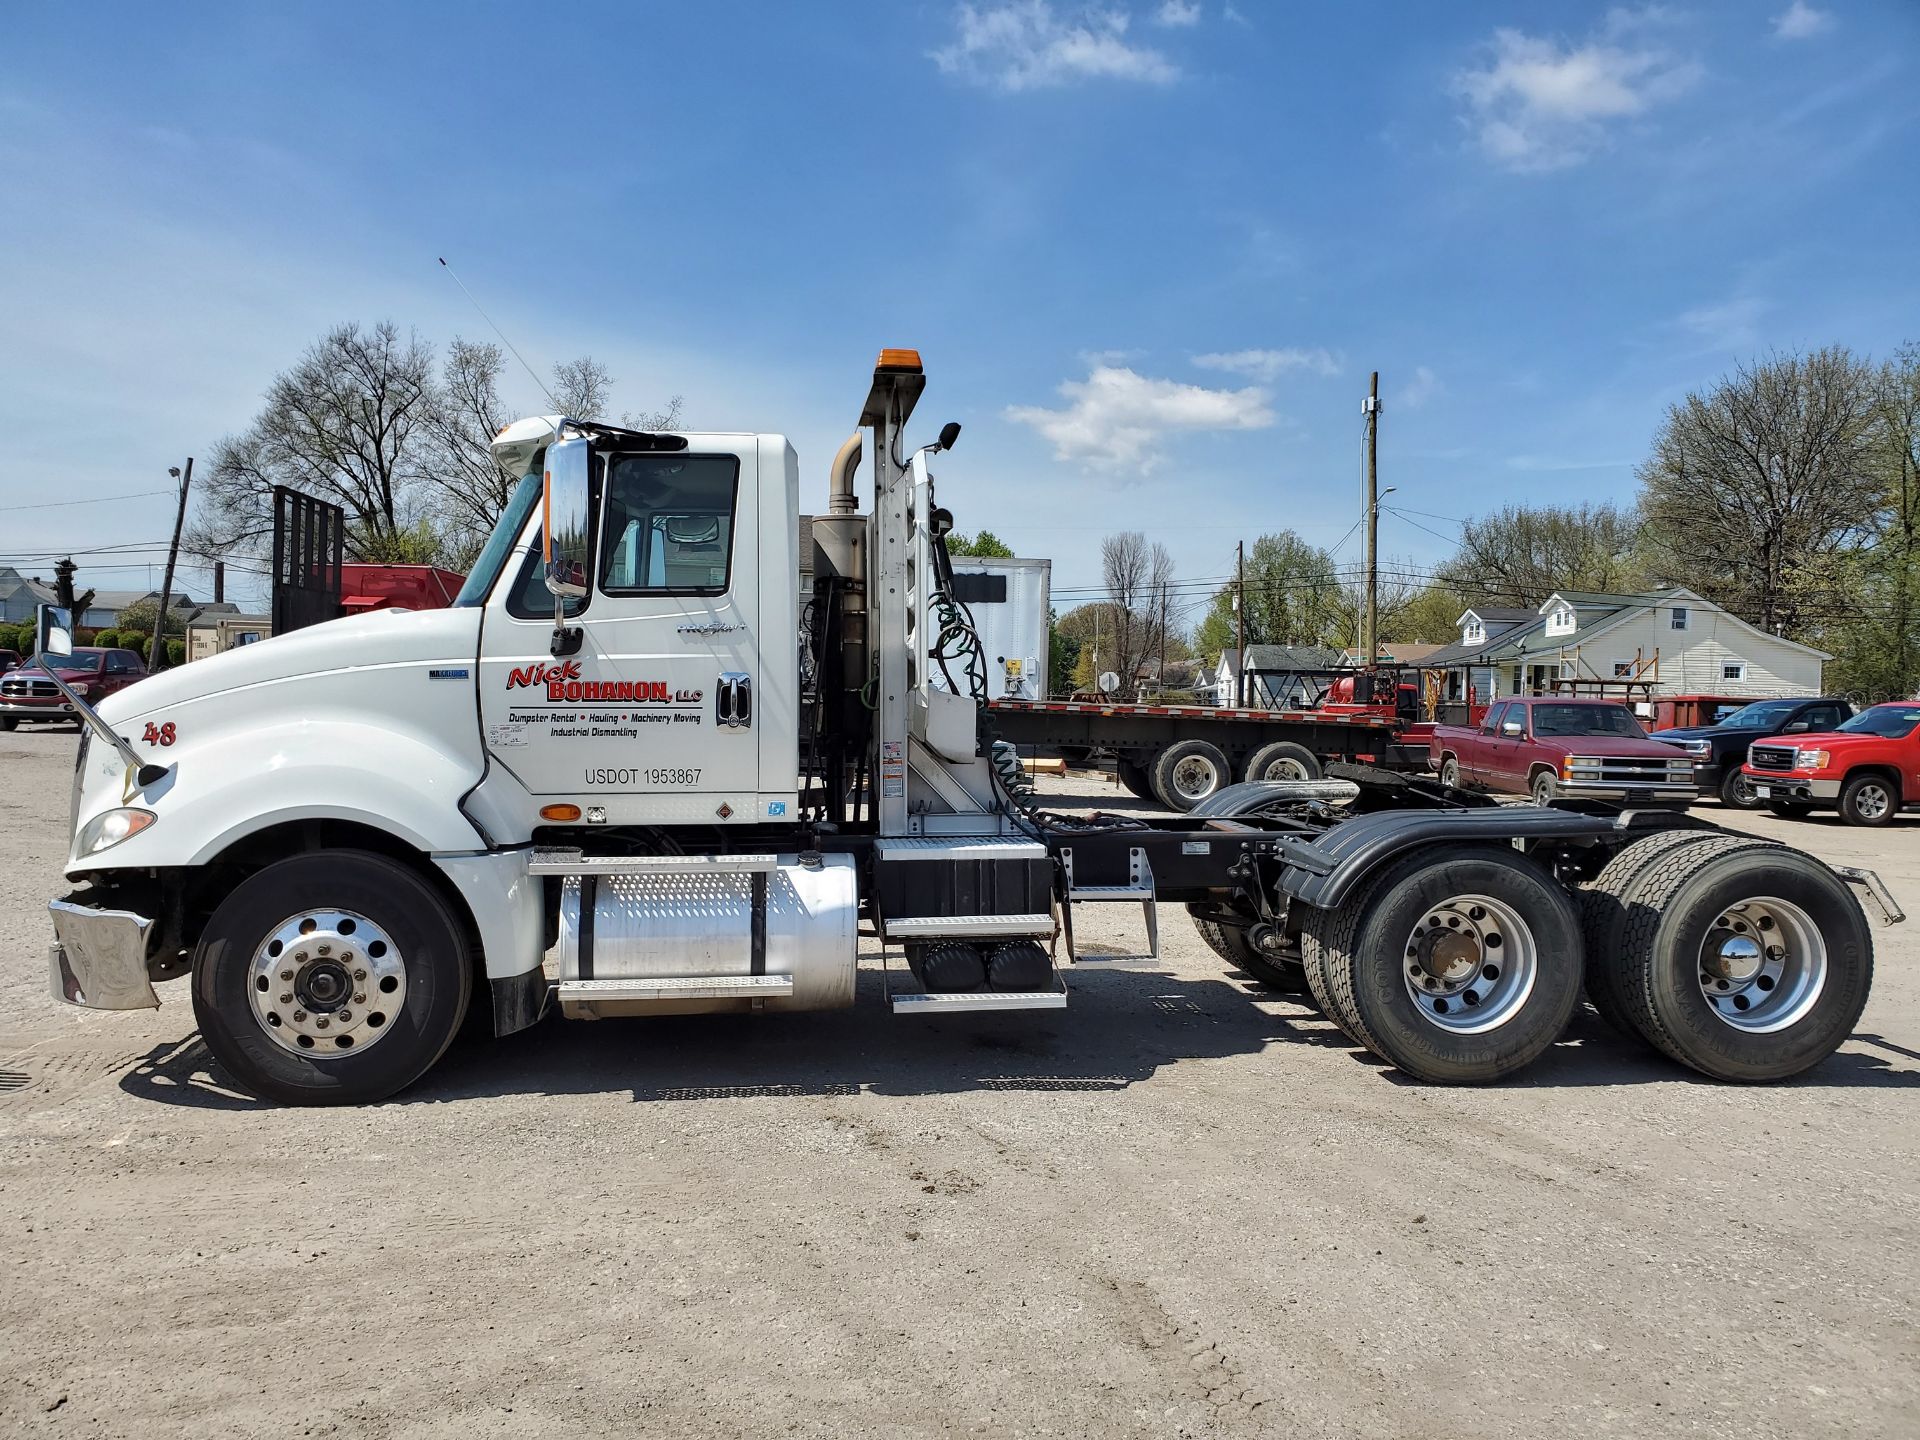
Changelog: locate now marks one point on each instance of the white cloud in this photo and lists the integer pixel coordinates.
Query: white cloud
(1419, 390)
(1730, 325)
(1800, 21)
(1540, 105)
(1178, 14)
(1116, 419)
(1024, 45)
(1268, 365)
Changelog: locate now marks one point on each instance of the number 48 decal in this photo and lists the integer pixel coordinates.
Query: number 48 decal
(159, 734)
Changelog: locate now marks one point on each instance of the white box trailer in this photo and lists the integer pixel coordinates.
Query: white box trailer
(1009, 601)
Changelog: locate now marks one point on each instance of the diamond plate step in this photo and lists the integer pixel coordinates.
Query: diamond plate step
(968, 927)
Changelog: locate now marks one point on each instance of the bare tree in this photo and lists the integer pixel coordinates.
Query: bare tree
(1756, 489)
(1136, 572)
(341, 425)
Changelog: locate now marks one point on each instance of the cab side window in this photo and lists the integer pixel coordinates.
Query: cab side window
(1491, 725)
(668, 525)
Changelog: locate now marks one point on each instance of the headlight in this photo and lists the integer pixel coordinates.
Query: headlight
(1697, 747)
(106, 830)
(79, 687)
(1810, 759)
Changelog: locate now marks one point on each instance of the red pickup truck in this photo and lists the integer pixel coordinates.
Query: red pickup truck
(1547, 746)
(30, 694)
(1867, 769)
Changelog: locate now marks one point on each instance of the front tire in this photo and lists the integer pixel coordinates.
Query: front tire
(331, 978)
(1869, 800)
(1736, 791)
(1545, 788)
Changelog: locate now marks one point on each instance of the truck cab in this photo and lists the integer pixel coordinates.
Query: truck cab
(1719, 750)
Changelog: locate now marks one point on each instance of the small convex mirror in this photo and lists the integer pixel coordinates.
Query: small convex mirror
(564, 517)
(54, 633)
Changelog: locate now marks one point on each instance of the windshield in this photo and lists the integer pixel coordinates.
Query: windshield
(1889, 722)
(1585, 720)
(1761, 715)
(486, 566)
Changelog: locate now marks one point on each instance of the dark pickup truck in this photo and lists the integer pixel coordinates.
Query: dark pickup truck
(1549, 746)
(1719, 751)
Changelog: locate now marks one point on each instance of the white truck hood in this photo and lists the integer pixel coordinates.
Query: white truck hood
(358, 642)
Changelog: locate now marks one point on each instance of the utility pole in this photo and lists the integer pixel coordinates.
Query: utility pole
(1370, 629)
(1240, 619)
(159, 646)
(1163, 640)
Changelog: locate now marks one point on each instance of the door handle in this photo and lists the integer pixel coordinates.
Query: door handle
(733, 701)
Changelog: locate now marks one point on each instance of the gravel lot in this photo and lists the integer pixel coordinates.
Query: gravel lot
(1179, 1207)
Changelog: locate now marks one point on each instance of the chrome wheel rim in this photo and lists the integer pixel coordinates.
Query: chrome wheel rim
(1470, 964)
(1762, 965)
(1284, 769)
(1743, 789)
(1872, 800)
(1195, 778)
(327, 983)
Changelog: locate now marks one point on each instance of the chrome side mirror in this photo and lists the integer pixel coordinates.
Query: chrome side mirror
(1513, 729)
(53, 636)
(565, 525)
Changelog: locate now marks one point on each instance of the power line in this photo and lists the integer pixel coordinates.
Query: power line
(96, 500)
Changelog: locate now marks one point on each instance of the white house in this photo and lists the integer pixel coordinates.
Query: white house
(1667, 642)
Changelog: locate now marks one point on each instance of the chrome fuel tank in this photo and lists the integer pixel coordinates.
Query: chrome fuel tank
(694, 924)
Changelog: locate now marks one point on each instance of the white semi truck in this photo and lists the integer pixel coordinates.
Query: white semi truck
(634, 771)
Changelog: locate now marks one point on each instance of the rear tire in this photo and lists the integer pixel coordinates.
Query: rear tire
(1869, 800)
(1133, 778)
(1283, 760)
(1743, 966)
(1460, 966)
(394, 1042)
(1231, 944)
(1609, 901)
(1189, 771)
(1450, 773)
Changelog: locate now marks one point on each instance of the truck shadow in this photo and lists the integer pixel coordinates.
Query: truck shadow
(1120, 1028)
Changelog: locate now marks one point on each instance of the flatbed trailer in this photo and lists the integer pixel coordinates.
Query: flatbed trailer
(1180, 755)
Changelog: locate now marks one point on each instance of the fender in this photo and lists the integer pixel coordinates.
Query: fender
(1323, 871)
(237, 781)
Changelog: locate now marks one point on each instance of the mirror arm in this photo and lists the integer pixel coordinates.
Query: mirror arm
(92, 716)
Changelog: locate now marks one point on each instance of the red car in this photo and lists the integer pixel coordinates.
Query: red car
(1549, 746)
(1867, 769)
(30, 694)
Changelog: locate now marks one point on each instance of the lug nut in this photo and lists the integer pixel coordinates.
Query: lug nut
(321, 1023)
(361, 998)
(299, 1014)
(344, 1016)
(287, 999)
(326, 949)
(359, 974)
(286, 974)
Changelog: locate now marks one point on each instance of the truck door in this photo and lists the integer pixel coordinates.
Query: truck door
(653, 717)
(1479, 759)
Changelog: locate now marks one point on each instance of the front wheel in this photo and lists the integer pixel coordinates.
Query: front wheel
(331, 978)
(1736, 791)
(1545, 788)
(1869, 800)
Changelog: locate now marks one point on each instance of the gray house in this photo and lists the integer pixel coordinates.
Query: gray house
(22, 595)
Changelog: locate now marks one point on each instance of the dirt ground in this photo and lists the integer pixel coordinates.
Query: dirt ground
(1182, 1206)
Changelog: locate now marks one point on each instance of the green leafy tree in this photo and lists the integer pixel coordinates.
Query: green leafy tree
(986, 544)
(1063, 656)
(1293, 597)
(1521, 554)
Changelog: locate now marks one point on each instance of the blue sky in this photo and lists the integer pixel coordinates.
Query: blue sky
(1149, 251)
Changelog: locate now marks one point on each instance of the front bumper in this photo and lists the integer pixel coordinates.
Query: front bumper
(37, 710)
(1771, 786)
(99, 957)
(1617, 791)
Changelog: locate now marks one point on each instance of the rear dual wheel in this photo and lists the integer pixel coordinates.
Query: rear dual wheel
(1234, 944)
(1745, 961)
(1458, 965)
(1189, 771)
